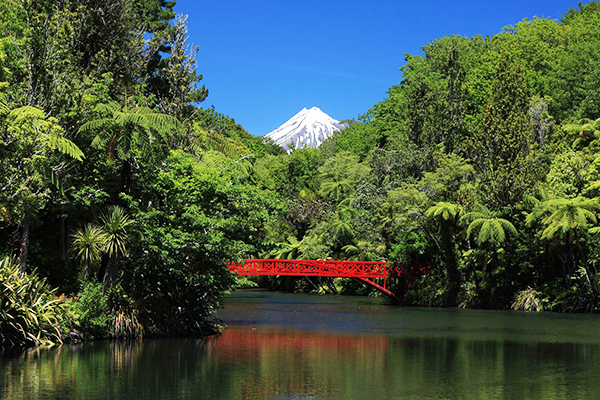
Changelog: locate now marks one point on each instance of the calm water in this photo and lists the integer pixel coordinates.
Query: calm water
(282, 346)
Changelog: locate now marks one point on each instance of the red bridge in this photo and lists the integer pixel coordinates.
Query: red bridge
(371, 272)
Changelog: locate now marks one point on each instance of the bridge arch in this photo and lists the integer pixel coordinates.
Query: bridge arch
(366, 271)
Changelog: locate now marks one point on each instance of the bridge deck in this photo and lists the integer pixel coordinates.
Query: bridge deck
(367, 271)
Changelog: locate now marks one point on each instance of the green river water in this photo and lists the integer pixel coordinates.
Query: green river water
(281, 346)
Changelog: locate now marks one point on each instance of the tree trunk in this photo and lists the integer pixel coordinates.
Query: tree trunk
(110, 273)
(591, 279)
(63, 237)
(24, 247)
(86, 270)
(125, 176)
(452, 270)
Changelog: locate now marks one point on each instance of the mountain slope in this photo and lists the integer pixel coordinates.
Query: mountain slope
(310, 127)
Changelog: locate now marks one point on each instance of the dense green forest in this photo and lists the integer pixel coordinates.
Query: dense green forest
(119, 192)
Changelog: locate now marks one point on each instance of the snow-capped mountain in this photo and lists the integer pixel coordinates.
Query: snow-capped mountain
(308, 127)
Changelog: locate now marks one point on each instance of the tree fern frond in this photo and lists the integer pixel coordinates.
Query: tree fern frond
(507, 226)
(595, 185)
(594, 230)
(97, 125)
(473, 226)
(100, 141)
(26, 112)
(51, 174)
(65, 146)
(4, 108)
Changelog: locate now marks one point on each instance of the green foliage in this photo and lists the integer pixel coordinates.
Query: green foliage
(528, 300)
(92, 309)
(562, 217)
(113, 81)
(119, 129)
(287, 250)
(567, 174)
(476, 124)
(443, 211)
(124, 316)
(447, 215)
(29, 172)
(192, 219)
(30, 312)
(88, 245)
(487, 227)
(116, 223)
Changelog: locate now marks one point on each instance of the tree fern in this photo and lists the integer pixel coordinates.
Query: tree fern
(487, 227)
(444, 211)
(563, 216)
(26, 113)
(205, 140)
(287, 250)
(119, 128)
(65, 146)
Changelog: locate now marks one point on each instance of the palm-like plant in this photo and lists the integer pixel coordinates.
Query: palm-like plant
(46, 132)
(31, 137)
(388, 214)
(565, 217)
(447, 215)
(341, 229)
(288, 250)
(363, 251)
(444, 212)
(569, 220)
(116, 223)
(336, 189)
(88, 244)
(490, 230)
(203, 140)
(119, 129)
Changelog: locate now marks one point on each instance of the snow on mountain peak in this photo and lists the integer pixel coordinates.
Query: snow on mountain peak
(309, 127)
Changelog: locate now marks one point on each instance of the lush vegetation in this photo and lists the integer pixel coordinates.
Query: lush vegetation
(127, 196)
(482, 162)
(114, 185)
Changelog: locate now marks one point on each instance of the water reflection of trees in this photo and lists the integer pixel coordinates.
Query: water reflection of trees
(245, 363)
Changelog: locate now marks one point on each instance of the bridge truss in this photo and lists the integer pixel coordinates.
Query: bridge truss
(373, 273)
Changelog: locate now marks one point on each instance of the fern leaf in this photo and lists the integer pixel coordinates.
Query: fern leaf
(66, 146)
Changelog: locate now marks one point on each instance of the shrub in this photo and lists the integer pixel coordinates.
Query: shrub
(30, 312)
(528, 300)
(124, 323)
(92, 310)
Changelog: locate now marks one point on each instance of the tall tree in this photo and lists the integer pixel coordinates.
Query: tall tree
(569, 221)
(501, 144)
(30, 171)
(120, 129)
(489, 231)
(447, 216)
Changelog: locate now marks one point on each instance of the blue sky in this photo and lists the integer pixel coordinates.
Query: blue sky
(263, 61)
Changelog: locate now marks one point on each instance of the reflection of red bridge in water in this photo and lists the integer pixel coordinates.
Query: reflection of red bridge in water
(374, 273)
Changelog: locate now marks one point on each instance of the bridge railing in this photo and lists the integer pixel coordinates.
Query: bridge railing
(351, 269)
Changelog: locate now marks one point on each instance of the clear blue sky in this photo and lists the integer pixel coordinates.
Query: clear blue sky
(263, 61)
